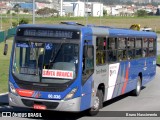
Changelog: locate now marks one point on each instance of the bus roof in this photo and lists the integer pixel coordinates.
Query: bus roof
(113, 32)
(51, 26)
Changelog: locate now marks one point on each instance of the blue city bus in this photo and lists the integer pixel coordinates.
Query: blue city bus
(72, 67)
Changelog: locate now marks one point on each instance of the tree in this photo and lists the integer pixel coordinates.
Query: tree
(25, 10)
(104, 12)
(46, 11)
(16, 9)
(141, 13)
(9, 11)
(24, 21)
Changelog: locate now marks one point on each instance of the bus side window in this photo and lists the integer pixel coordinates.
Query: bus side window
(122, 49)
(100, 50)
(88, 62)
(145, 47)
(131, 48)
(111, 50)
(151, 49)
(138, 46)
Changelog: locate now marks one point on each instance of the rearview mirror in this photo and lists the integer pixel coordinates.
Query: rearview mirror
(5, 49)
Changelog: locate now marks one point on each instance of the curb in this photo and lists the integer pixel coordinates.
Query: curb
(3, 93)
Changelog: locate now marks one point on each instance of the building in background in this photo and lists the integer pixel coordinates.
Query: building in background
(81, 9)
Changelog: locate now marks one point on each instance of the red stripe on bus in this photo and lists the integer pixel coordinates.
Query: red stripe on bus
(126, 81)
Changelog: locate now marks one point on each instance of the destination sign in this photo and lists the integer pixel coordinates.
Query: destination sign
(52, 33)
(57, 74)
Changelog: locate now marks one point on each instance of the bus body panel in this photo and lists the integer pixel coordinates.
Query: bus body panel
(69, 105)
(118, 78)
(100, 72)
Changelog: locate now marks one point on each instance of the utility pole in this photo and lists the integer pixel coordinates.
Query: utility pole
(100, 13)
(11, 18)
(33, 12)
(86, 13)
(61, 8)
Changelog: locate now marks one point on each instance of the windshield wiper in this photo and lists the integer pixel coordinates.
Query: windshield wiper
(54, 57)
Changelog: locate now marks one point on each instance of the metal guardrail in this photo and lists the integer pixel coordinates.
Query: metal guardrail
(8, 33)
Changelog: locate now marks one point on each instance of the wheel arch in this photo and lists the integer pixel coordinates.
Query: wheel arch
(102, 87)
(141, 76)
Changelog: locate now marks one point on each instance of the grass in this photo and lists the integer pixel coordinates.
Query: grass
(122, 22)
(4, 65)
(158, 59)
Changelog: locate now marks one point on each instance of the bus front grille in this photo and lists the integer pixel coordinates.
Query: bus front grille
(49, 105)
(42, 88)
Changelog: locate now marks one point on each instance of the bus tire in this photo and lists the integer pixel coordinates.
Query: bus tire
(98, 103)
(137, 91)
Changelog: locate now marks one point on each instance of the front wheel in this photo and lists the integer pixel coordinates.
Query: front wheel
(137, 91)
(98, 103)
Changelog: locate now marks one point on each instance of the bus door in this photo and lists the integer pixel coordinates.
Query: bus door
(87, 72)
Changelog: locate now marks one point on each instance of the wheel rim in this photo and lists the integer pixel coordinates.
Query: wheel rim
(96, 103)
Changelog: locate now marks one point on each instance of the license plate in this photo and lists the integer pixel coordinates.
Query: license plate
(39, 107)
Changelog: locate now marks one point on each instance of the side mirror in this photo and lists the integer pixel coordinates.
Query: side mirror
(5, 49)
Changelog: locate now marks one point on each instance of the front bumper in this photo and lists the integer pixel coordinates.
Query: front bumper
(72, 105)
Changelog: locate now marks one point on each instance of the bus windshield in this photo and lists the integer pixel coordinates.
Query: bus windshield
(45, 62)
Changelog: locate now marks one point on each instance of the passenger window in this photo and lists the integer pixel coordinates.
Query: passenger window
(151, 51)
(148, 47)
(122, 55)
(112, 55)
(138, 51)
(138, 43)
(121, 43)
(131, 48)
(145, 43)
(130, 43)
(151, 42)
(145, 47)
(152, 47)
(122, 49)
(112, 52)
(100, 50)
(111, 43)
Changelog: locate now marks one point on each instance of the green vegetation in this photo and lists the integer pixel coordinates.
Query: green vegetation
(141, 13)
(4, 65)
(158, 59)
(121, 22)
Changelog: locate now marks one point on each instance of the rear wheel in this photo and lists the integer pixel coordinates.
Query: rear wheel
(98, 103)
(137, 91)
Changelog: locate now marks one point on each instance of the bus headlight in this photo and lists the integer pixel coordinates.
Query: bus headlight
(70, 94)
(12, 89)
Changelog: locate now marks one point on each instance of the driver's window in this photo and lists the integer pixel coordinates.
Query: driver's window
(88, 62)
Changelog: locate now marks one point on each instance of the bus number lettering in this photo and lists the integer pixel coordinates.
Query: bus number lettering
(51, 96)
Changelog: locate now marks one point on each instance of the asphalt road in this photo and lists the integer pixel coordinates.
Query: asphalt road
(149, 101)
